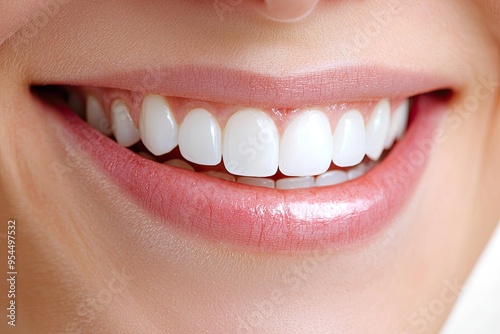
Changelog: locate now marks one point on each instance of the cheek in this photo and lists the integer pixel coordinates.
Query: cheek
(15, 14)
(491, 9)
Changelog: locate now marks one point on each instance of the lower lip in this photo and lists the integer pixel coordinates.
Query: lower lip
(263, 219)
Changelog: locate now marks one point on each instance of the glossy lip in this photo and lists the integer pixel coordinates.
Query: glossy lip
(262, 219)
(237, 87)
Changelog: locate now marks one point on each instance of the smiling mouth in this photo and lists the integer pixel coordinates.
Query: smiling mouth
(276, 178)
(278, 148)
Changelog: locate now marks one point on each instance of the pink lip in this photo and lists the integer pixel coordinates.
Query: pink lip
(268, 219)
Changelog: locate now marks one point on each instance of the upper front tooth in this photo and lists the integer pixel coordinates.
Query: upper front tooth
(349, 140)
(399, 120)
(306, 145)
(158, 128)
(377, 129)
(96, 117)
(200, 138)
(124, 130)
(251, 144)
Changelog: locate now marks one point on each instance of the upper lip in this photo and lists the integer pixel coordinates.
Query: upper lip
(290, 90)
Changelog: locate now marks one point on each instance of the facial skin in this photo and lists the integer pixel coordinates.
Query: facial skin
(92, 261)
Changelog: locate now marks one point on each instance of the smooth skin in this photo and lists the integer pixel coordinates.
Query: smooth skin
(90, 260)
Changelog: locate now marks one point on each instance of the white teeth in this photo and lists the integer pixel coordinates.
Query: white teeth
(95, 116)
(251, 144)
(200, 138)
(377, 129)
(158, 128)
(221, 175)
(179, 164)
(124, 130)
(295, 183)
(331, 178)
(306, 145)
(399, 120)
(257, 181)
(356, 172)
(403, 115)
(349, 140)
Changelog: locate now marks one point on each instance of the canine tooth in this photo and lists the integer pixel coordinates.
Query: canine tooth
(257, 181)
(377, 129)
(331, 178)
(75, 103)
(399, 120)
(179, 164)
(124, 130)
(158, 128)
(295, 182)
(221, 175)
(251, 144)
(200, 138)
(356, 172)
(349, 140)
(306, 145)
(95, 116)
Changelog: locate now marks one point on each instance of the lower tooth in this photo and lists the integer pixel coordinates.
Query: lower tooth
(331, 178)
(147, 155)
(179, 164)
(221, 175)
(356, 172)
(258, 182)
(295, 183)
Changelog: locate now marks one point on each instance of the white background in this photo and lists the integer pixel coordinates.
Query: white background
(478, 308)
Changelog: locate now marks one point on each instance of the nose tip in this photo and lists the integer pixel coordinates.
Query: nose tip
(286, 10)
